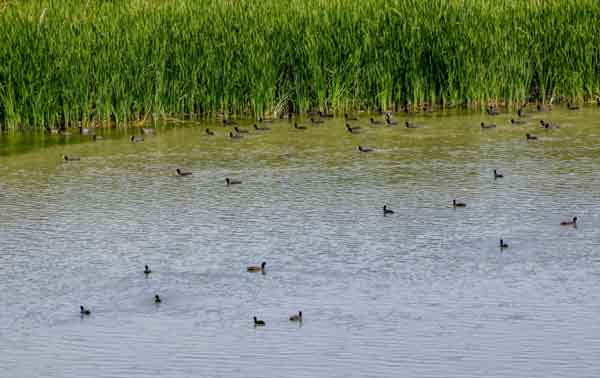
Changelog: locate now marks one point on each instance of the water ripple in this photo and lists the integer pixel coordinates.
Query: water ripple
(425, 292)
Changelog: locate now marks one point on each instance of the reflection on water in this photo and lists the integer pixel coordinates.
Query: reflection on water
(424, 292)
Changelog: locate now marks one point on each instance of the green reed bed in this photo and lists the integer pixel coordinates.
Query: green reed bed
(68, 61)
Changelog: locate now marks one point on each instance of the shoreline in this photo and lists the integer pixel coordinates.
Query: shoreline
(411, 110)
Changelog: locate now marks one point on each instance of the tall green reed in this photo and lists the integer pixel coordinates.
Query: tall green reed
(70, 61)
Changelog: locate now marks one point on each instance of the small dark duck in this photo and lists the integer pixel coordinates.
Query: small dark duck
(296, 318)
(387, 211)
(256, 269)
(572, 222)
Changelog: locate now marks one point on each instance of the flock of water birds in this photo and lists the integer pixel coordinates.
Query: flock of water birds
(318, 118)
(83, 311)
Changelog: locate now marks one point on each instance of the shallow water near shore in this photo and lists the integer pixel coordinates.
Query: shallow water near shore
(424, 292)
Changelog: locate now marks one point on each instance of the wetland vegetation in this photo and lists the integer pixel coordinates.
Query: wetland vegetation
(113, 62)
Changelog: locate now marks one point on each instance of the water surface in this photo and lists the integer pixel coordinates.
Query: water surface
(425, 292)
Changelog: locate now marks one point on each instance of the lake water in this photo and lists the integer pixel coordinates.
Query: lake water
(426, 292)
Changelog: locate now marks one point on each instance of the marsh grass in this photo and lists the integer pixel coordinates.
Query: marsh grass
(107, 62)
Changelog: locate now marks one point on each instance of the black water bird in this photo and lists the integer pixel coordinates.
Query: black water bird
(209, 132)
(375, 121)
(180, 173)
(410, 125)
(569, 223)
(256, 269)
(157, 299)
(522, 114)
(240, 131)
(531, 137)
(260, 128)
(235, 136)
(503, 244)
(147, 270)
(265, 120)
(548, 125)
(296, 318)
(458, 204)
(387, 211)
(497, 175)
(229, 181)
(492, 110)
(84, 311)
(71, 158)
(259, 323)
(488, 126)
(517, 121)
(228, 122)
(352, 130)
(136, 139)
(365, 149)
(390, 121)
